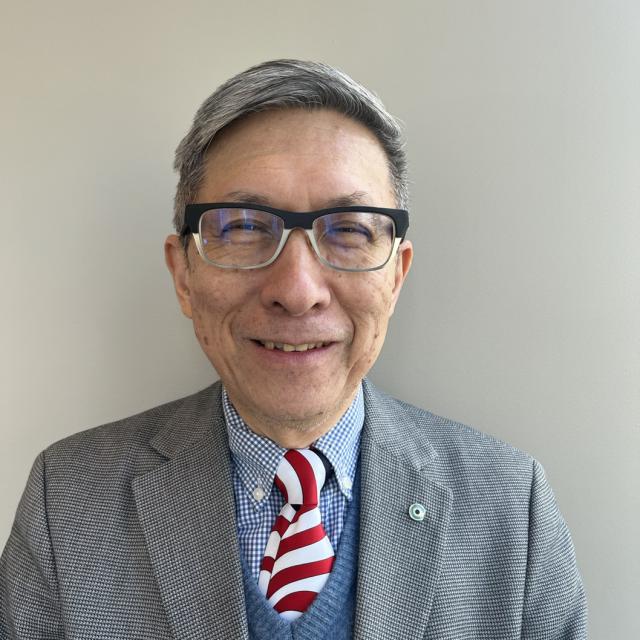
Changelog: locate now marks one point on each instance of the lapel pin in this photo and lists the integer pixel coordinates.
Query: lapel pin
(417, 512)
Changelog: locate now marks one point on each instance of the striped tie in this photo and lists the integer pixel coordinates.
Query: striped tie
(299, 556)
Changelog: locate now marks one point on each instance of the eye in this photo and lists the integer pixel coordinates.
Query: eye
(245, 225)
(347, 233)
(248, 228)
(349, 228)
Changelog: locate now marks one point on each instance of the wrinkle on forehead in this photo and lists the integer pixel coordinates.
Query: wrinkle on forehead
(347, 200)
(298, 160)
(270, 137)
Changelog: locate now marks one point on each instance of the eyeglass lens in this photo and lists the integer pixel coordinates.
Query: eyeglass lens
(247, 238)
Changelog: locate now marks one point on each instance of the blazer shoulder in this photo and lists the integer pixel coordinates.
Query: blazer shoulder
(129, 437)
(442, 443)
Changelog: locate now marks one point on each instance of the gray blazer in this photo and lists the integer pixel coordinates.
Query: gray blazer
(128, 531)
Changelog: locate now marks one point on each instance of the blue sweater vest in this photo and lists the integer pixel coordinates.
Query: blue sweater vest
(331, 613)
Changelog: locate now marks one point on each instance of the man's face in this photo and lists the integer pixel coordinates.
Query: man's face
(301, 161)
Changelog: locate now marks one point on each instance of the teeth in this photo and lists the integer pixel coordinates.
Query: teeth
(285, 346)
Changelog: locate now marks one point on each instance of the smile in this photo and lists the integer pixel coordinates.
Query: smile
(285, 346)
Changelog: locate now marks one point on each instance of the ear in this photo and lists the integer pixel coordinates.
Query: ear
(178, 264)
(404, 258)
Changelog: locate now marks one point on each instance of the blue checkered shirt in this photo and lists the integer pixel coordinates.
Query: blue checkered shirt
(255, 461)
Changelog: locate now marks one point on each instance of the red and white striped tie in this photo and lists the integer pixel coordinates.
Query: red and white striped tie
(299, 555)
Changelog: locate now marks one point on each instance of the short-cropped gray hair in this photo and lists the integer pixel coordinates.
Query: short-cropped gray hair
(281, 84)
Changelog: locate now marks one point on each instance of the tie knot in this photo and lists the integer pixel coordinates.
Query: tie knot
(300, 477)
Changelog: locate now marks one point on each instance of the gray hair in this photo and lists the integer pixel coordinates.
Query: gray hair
(281, 84)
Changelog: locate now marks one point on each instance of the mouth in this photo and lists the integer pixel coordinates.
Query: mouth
(288, 347)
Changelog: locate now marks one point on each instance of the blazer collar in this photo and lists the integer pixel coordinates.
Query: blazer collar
(195, 418)
(186, 509)
(400, 559)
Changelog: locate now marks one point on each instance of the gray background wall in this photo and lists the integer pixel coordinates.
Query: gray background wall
(521, 314)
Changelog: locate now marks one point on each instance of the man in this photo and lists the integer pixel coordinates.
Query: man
(293, 499)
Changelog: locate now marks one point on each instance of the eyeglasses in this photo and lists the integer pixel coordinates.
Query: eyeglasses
(248, 236)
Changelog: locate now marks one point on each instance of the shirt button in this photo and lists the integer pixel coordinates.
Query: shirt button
(346, 483)
(258, 493)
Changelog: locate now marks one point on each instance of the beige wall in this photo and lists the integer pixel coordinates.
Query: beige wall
(521, 315)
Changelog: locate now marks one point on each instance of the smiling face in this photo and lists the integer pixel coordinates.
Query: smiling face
(297, 160)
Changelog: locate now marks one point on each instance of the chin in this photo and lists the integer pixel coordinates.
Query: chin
(298, 416)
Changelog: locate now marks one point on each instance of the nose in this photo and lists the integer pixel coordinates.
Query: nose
(296, 281)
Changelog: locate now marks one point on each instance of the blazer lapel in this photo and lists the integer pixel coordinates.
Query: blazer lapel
(399, 558)
(186, 509)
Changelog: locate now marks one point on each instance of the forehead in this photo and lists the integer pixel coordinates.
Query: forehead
(297, 154)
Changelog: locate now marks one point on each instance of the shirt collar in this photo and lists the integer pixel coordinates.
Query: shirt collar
(256, 458)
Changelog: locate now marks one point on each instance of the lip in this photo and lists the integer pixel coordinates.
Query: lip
(292, 358)
(289, 341)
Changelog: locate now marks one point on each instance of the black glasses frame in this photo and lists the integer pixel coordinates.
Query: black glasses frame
(291, 219)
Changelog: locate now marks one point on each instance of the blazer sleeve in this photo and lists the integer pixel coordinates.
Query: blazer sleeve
(29, 603)
(554, 600)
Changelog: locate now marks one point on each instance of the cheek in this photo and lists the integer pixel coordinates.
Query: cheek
(217, 299)
(210, 306)
(370, 318)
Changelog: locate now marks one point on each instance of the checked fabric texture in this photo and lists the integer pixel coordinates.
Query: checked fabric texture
(299, 555)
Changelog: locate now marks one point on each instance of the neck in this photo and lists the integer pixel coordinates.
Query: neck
(289, 432)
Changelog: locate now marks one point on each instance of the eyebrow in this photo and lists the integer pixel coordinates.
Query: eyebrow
(347, 200)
